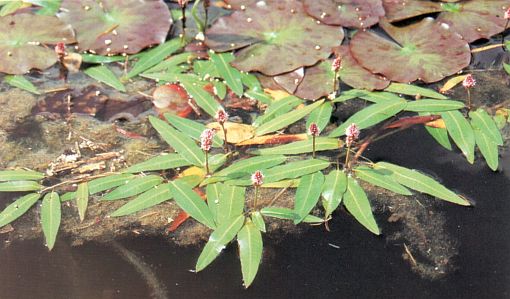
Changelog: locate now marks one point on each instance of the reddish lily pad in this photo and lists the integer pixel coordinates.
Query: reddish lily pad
(290, 81)
(239, 4)
(318, 81)
(117, 26)
(348, 13)
(472, 19)
(426, 51)
(22, 40)
(274, 37)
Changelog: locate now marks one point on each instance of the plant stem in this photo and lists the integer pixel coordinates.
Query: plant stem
(313, 146)
(207, 162)
(256, 197)
(225, 144)
(469, 98)
(206, 14)
(347, 155)
(503, 35)
(335, 88)
(183, 20)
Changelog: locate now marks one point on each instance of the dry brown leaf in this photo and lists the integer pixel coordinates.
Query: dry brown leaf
(277, 94)
(489, 47)
(272, 139)
(438, 123)
(235, 132)
(451, 83)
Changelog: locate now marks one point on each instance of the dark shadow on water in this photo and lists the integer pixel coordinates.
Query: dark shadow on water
(306, 266)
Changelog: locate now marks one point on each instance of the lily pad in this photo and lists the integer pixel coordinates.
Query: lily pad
(22, 41)
(348, 13)
(273, 37)
(471, 19)
(239, 4)
(117, 26)
(426, 51)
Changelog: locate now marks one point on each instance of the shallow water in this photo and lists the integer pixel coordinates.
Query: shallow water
(347, 262)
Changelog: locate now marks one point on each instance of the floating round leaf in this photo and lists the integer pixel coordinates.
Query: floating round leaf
(397, 10)
(117, 26)
(276, 37)
(22, 40)
(348, 13)
(427, 51)
(240, 4)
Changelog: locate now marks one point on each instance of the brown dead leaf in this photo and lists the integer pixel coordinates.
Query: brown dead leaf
(235, 132)
(272, 139)
(438, 123)
(277, 94)
(72, 62)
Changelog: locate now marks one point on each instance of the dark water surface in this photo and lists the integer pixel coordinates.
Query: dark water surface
(303, 266)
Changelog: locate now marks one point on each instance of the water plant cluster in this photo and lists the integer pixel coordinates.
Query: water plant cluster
(218, 167)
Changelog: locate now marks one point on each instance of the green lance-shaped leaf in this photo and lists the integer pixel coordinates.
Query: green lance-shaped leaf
(307, 195)
(162, 162)
(99, 59)
(245, 167)
(371, 115)
(250, 81)
(21, 82)
(378, 97)
(214, 192)
(162, 77)
(173, 63)
(461, 132)
(439, 134)
(102, 184)
(414, 90)
(231, 75)
(333, 190)
(218, 239)
(10, 7)
(231, 203)
(205, 69)
(19, 186)
(259, 95)
(20, 175)
(181, 143)
(349, 95)
(421, 183)
(154, 56)
(48, 7)
(249, 239)
(18, 208)
(82, 199)
(191, 203)
(488, 148)
(195, 88)
(288, 214)
(276, 109)
(150, 198)
(481, 120)
(288, 171)
(320, 116)
(220, 89)
(286, 119)
(301, 147)
(356, 202)
(382, 178)
(191, 128)
(258, 220)
(134, 187)
(427, 105)
(50, 218)
(105, 75)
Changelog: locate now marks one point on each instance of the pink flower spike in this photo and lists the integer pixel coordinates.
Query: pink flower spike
(221, 116)
(182, 3)
(206, 139)
(60, 49)
(507, 14)
(335, 66)
(351, 133)
(257, 178)
(314, 130)
(469, 81)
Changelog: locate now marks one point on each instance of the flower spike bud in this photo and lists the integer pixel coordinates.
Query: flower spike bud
(314, 130)
(257, 178)
(60, 49)
(221, 116)
(469, 81)
(351, 133)
(182, 3)
(507, 14)
(206, 139)
(335, 66)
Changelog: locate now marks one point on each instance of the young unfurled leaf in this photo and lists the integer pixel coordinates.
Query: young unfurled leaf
(356, 202)
(412, 179)
(333, 190)
(276, 109)
(286, 119)
(182, 144)
(307, 195)
(451, 83)
(427, 105)
(481, 120)
(230, 74)
(258, 220)
(162, 162)
(371, 115)
(288, 214)
(245, 167)
(148, 199)
(135, 186)
(249, 239)
(155, 55)
(50, 218)
(320, 116)
(105, 75)
(382, 178)
(191, 203)
(231, 203)
(461, 132)
(488, 148)
(18, 208)
(218, 239)
(301, 147)
(20, 81)
(191, 128)
(20, 175)
(18, 186)
(82, 199)
(413, 90)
